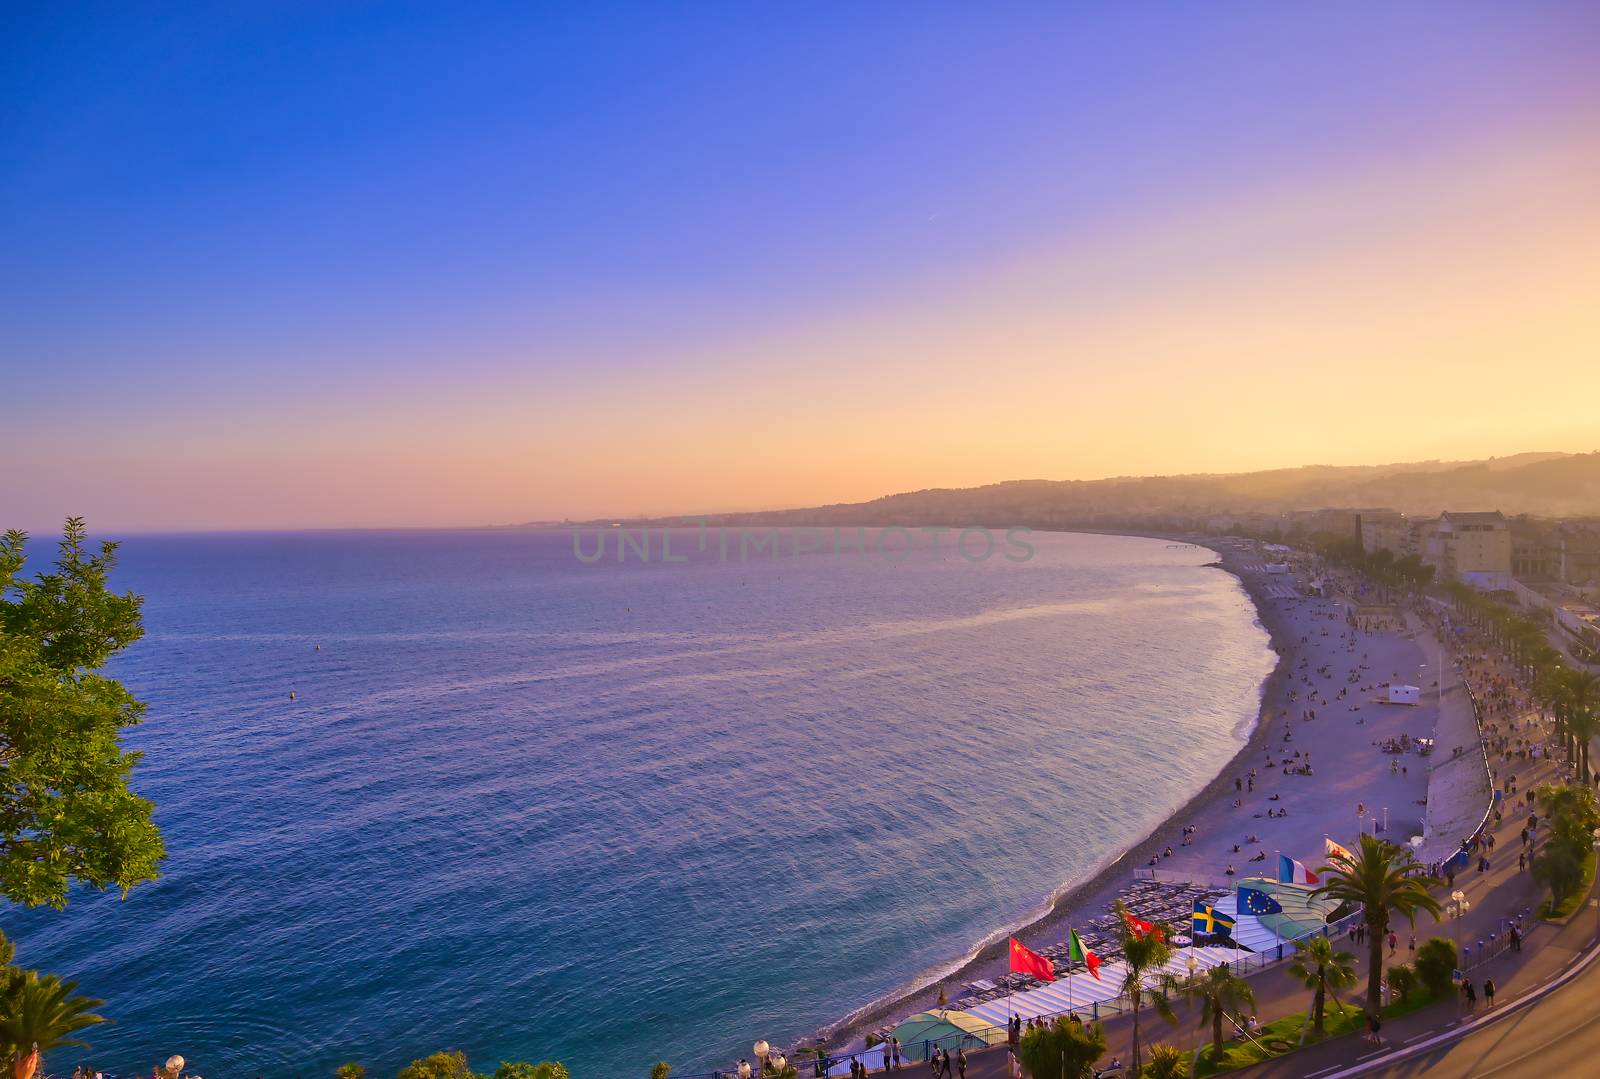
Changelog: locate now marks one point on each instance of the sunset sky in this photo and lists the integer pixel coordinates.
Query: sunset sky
(324, 265)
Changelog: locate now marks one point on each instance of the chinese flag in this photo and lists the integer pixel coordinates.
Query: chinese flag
(1025, 961)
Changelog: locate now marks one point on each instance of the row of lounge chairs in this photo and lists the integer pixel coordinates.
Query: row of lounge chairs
(1160, 902)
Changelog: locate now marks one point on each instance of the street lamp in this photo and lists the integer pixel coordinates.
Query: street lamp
(744, 1069)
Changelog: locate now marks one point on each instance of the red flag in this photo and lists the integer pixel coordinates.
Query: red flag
(1025, 961)
(1140, 928)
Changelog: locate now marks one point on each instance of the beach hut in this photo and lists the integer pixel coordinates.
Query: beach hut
(1405, 695)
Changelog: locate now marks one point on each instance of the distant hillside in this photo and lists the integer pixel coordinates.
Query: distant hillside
(1543, 484)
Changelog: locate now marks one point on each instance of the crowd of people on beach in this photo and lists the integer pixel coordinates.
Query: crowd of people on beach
(1515, 739)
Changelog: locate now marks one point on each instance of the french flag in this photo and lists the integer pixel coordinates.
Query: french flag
(1294, 872)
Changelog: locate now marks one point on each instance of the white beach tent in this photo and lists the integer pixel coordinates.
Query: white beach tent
(1083, 992)
(1405, 695)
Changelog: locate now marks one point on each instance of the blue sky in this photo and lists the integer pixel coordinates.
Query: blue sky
(230, 226)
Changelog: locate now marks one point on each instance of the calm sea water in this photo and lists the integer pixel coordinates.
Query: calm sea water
(611, 814)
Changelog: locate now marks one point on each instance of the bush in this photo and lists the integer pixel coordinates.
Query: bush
(1062, 1050)
(1436, 963)
(439, 1066)
(1402, 979)
(1166, 1062)
(350, 1071)
(545, 1069)
(661, 1070)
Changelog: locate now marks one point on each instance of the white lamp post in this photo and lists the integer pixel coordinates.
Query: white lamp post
(744, 1069)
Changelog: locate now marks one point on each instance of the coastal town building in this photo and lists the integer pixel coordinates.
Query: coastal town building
(1472, 547)
(1384, 529)
(1579, 553)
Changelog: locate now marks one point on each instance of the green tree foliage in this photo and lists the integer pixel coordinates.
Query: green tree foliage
(1436, 962)
(1166, 1062)
(1384, 879)
(547, 1069)
(1146, 956)
(1222, 994)
(1062, 1050)
(1402, 979)
(66, 812)
(38, 1013)
(1324, 970)
(446, 1065)
(1572, 817)
(661, 1070)
(351, 1070)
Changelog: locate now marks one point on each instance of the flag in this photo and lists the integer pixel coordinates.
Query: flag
(1079, 954)
(1140, 928)
(1210, 921)
(1026, 961)
(1291, 871)
(1336, 849)
(1255, 901)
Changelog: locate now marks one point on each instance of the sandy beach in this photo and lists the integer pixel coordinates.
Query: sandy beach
(1320, 706)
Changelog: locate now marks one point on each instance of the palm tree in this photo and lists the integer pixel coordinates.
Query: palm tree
(1167, 1062)
(1324, 971)
(1382, 878)
(1582, 692)
(1220, 991)
(1550, 691)
(38, 1013)
(1146, 981)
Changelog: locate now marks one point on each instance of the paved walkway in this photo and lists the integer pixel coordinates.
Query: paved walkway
(1458, 782)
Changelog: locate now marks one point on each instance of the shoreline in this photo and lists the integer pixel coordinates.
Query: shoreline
(1104, 883)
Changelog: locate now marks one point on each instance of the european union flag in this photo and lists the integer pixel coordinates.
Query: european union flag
(1208, 921)
(1255, 901)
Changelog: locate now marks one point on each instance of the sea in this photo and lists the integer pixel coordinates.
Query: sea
(490, 791)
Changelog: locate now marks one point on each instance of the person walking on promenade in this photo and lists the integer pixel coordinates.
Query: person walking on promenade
(1470, 994)
(1375, 1028)
(1394, 942)
(894, 1045)
(961, 1063)
(1488, 991)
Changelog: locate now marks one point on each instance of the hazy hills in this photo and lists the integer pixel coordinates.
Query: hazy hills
(1543, 484)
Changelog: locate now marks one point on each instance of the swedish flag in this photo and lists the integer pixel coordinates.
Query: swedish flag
(1208, 921)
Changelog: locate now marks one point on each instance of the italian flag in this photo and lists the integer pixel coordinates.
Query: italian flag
(1079, 954)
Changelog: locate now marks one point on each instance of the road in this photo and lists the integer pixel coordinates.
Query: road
(1559, 1035)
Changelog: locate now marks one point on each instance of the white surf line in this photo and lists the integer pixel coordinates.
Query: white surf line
(1371, 1061)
